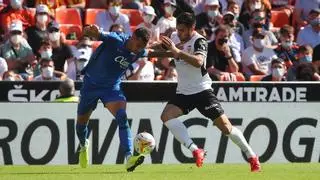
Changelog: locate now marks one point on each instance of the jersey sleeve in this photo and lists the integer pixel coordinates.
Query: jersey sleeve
(201, 46)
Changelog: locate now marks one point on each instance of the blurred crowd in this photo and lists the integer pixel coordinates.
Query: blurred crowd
(248, 40)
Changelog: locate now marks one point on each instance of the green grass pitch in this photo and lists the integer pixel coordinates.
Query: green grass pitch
(290, 171)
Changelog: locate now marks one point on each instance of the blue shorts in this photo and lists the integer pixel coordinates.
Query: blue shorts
(89, 96)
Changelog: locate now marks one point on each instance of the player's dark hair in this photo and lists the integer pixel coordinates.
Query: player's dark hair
(143, 34)
(223, 28)
(187, 19)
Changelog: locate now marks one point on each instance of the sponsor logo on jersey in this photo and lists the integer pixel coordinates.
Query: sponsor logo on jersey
(124, 64)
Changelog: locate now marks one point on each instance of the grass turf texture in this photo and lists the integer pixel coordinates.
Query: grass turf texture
(304, 171)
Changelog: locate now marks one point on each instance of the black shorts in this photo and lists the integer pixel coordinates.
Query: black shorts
(206, 103)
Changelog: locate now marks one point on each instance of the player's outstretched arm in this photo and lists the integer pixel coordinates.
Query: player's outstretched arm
(194, 60)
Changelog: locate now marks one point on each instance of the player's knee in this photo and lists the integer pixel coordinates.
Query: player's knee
(121, 118)
(226, 130)
(164, 117)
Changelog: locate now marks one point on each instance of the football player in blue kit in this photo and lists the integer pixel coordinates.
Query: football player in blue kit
(102, 77)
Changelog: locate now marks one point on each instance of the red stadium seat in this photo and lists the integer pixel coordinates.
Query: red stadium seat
(90, 15)
(279, 18)
(71, 28)
(68, 16)
(134, 16)
(256, 77)
(71, 42)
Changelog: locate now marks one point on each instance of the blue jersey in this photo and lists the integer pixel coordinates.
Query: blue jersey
(109, 62)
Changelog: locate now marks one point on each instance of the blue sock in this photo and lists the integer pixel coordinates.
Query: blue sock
(82, 133)
(124, 132)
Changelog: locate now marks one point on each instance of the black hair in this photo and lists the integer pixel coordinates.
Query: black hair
(143, 34)
(187, 19)
(223, 28)
(305, 72)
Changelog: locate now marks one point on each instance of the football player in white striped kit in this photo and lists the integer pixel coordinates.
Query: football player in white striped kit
(194, 90)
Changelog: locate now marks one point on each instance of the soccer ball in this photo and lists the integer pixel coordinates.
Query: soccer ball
(144, 143)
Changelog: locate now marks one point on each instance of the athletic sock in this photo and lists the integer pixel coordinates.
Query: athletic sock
(124, 132)
(237, 137)
(180, 132)
(82, 133)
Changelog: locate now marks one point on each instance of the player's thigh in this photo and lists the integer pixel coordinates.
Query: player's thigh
(177, 106)
(171, 111)
(87, 103)
(114, 106)
(208, 105)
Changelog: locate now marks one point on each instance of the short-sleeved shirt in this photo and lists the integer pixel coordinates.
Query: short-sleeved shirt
(110, 61)
(191, 79)
(217, 58)
(8, 52)
(60, 55)
(308, 36)
(40, 78)
(261, 59)
(105, 21)
(35, 36)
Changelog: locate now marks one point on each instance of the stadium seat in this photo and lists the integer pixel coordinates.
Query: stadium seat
(90, 15)
(134, 16)
(68, 16)
(256, 77)
(279, 18)
(68, 29)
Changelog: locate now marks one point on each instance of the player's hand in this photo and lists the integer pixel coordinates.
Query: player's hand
(91, 31)
(167, 42)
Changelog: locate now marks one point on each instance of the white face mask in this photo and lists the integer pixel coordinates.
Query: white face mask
(259, 43)
(115, 10)
(16, 4)
(42, 19)
(286, 44)
(55, 36)
(46, 54)
(16, 39)
(255, 6)
(47, 72)
(148, 18)
(277, 72)
(169, 9)
(213, 14)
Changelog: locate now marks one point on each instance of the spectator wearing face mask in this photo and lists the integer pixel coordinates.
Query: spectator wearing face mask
(278, 71)
(287, 49)
(258, 21)
(234, 8)
(148, 16)
(310, 35)
(304, 56)
(16, 50)
(113, 16)
(16, 11)
(168, 21)
(225, 4)
(82, 58)
(256, 59)
(61, 52)
(48, 72)
(221, 63)
(210, 19)
(39, 32)
(251, 6)
(3, 67)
